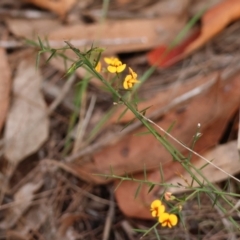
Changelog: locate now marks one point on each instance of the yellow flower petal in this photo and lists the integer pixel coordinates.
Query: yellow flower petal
(167, 219)
(133, 81)
(121, 68)
(116, 62)
(157, 208)
(108, 60)
(156, 203)
(163, 217)
(125, 85)
(129, 81)
(173, 219)
(128, 78)
(134, 75)
(98, 67)
(112, 69)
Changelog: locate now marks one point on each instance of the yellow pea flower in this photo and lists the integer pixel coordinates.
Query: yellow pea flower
(168, 220)
(157, 208)
(130, 79)
(98, 68)
(115, 65)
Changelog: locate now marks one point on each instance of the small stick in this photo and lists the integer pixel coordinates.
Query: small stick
(110, 216)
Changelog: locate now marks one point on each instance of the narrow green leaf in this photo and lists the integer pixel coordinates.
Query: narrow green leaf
(138, 190)
(77, 51)
(118, 185)
(128, 124)
(41, 44)
(38, 59)
(227, 185)
(98, 59)
(145, 172)
(143, 111)
(52, 54)
(47, 42)
(157, 234)
(198, 200)
(187, 28)
(205, 165)
(98, 127)
(215, 200)
(151, 187)
(31, 42)
(170, 128)
(161, 173)
(122, 114)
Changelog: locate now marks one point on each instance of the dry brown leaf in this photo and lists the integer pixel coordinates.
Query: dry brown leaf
(214, 21)
(224, 156)
(5, 86)
(22, 200)
(61, 7)
(121, 36)
(115, 36)
(27, 123)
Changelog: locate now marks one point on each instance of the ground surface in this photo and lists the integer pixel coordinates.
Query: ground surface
(47, 149)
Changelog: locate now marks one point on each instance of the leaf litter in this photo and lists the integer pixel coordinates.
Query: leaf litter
(60, 203)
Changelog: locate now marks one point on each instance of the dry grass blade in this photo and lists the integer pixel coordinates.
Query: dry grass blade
(60, 97)
(82, 125)
(110, 216)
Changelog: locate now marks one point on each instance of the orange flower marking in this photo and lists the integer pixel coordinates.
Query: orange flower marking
(157, 208)
(168, 220)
